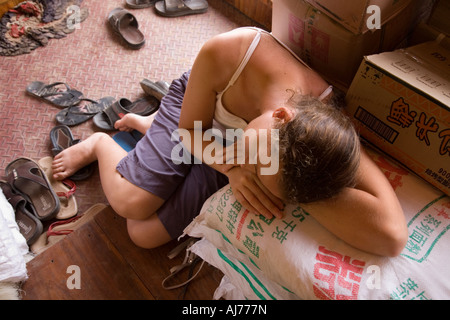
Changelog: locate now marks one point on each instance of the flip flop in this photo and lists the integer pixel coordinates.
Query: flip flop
(82, 112)
(144, 106)
(126, 26)
(64, 190)
(61, 138)
(139, 4)
(59, 230)
(57, 93)
(157, 89)
(29, 226)
(27, 178)
(177, 8)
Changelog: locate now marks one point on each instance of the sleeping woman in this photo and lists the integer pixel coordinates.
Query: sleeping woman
(245, 79)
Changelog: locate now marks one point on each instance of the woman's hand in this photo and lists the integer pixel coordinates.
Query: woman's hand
(252, 194)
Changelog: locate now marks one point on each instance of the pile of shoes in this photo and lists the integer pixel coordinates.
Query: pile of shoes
(29, 186)
(38, 199)
(35, 196)
(31, 24)
(105, 111)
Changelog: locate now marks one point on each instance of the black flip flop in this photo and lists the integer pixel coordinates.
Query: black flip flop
(61, 138)
(57, 93)
(83, 111)
(144, 106)
(29, 225)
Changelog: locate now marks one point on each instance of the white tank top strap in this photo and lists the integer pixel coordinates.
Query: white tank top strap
(282, 44)
(245, 60)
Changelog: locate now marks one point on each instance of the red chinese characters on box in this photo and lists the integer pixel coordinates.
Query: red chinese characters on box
(338, 276)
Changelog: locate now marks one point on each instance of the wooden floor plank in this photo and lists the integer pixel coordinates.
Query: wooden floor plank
(111, 266)
(153, 265)
(103, 273)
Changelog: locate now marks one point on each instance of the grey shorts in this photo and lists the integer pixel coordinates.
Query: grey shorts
(184, 187)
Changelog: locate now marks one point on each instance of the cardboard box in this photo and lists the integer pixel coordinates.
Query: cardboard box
(354, 14)
(327, 46)
(400, 102)
(322, 43)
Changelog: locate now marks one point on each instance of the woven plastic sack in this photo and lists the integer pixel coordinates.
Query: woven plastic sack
(297, 258)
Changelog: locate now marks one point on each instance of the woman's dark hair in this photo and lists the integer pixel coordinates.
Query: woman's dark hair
(319, 151)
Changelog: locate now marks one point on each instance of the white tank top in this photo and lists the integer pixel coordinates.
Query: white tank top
(226, 119)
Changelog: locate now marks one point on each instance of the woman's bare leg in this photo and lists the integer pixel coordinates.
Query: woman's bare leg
(125, 198)
(149, 233)
(129, 201)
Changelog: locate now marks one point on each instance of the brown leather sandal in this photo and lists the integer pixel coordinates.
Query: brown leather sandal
(27, 178)
(29, 226)
(126, 26)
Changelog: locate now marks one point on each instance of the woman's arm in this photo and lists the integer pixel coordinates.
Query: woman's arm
(213, 68)
(369, 216)
(209, 75)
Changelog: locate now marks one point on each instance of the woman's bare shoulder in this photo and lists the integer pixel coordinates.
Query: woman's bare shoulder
(235, 37)
(221, 55)
(229, 47)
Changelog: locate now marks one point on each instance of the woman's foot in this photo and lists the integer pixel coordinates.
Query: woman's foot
(70, 160)
(132, 121)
